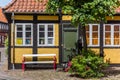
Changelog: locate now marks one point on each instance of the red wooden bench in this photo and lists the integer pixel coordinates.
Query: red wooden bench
(54, 60)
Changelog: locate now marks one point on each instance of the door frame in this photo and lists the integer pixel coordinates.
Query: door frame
(69, 28)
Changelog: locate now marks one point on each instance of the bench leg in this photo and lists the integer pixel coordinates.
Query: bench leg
(55, 65)
(23, 65)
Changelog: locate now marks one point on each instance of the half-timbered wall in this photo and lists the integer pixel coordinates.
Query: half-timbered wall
(34, 40)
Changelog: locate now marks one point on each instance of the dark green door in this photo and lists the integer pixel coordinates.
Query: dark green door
(69, 40)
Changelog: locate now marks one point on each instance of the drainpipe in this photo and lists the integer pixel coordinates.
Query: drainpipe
(13, 32)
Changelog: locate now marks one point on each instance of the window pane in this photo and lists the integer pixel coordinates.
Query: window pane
(95, 41)
(107, 28)
(50, 27)
(95, 28)
(19, 34)
(107, 35)
(19, 41)
(50, 34)
(28, 28)
(42, 41)
(116, 35)
(41, 34)
(88, 42)
(116, 41)
(87, 35)
(107, 41)
(116, 28)
(41, 28)
(28, 34)
(28, 41)
(19, 28)
(87, 28)
(95, 35)
(50, 41)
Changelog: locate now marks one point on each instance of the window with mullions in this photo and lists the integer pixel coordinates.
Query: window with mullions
(45, 34)
(116, 35)
(92, 34)
(23, 34)
(112, 35)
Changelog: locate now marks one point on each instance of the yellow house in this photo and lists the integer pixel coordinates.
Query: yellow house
(33, 31)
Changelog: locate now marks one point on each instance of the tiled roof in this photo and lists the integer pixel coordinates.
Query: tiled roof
(30, 6)
(2, 17)
(26, 6)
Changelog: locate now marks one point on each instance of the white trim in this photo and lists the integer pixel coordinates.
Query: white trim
(90, 34)
(46, 35)
(23, 33)
(112, 35)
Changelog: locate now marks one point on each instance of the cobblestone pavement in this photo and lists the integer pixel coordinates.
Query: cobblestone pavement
(3, 66)
(112, 73)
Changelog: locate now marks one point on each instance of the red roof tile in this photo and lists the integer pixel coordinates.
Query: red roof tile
(2, 16)
(26, 6)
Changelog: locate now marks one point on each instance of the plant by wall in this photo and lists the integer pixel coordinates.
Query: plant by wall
(88, 65)
(6, 46)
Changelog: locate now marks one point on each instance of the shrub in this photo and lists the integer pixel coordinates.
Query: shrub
(88, 64)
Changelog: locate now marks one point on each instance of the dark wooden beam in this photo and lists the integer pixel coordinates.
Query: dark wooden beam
(35, 37)
(101, 39)
(60, 35)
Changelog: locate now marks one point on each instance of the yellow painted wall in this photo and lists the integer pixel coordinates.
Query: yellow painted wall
(111, 55)
(56, 35)
(47, 18)
(66, 17)
(19, 52)
(96, 50)
(23, 17)
(48, 51)
(113, 18)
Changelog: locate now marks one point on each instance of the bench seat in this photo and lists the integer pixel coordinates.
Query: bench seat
(53, 61)
(34, 62)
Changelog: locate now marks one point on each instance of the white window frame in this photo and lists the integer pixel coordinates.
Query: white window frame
(24, 32)
(112, 36)
(90, 35)
(46, 35)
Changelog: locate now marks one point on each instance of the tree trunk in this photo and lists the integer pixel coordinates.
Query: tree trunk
(84, 38)
(101, 39)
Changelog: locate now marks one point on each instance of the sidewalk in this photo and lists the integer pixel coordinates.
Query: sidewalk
(3, 66)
